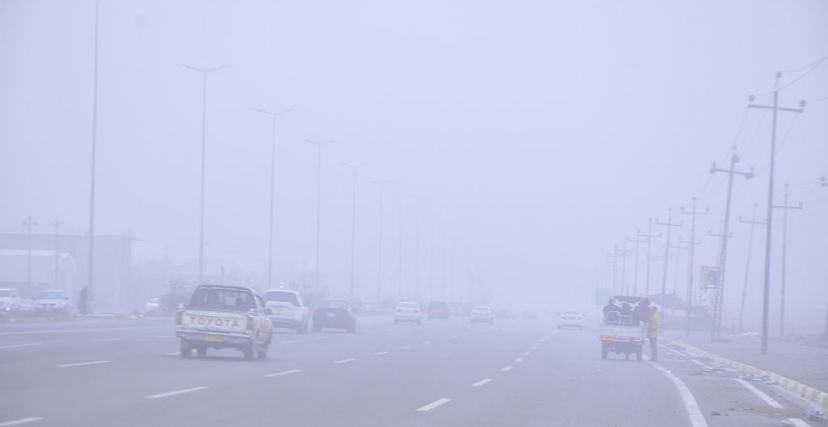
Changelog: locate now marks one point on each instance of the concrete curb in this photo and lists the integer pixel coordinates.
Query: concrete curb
(813, 394)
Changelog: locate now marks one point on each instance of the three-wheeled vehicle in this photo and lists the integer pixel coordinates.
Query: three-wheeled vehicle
(620, 333)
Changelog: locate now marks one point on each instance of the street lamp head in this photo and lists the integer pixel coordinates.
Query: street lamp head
(750, 174)
(751, 98)
(802, 103)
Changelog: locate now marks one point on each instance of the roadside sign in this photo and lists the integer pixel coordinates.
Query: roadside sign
(709, 277)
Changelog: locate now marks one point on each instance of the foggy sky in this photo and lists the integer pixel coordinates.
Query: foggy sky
(530, 136)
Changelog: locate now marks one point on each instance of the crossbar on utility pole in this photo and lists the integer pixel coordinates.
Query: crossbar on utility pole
(691, 259)
(785, 208)
(753, 223)
(649, 236)
(718, 306)
(768, 233)
(669, 224)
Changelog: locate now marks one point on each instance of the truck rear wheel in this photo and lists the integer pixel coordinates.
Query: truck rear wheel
(186, 349)
(604, 352)
(638, 356)
(249, 351)
(201, 351)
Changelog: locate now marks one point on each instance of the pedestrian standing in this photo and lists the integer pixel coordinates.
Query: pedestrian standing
(653, 330)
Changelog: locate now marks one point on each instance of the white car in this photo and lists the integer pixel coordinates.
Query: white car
(482, 314)
(152, 306)
(51, 301)
(407, 311)
(287, 310)
(9, 300)
(571, 319)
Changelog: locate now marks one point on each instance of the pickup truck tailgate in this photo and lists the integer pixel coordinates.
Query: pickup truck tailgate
(211, 321)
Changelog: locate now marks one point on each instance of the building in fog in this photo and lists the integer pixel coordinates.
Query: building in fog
(36, 262)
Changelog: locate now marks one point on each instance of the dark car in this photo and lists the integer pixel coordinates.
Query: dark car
(438, 310)
(334, 314)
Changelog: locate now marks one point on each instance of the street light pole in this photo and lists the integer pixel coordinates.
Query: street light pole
(204, 73)
(354, 170)
(273, 117)
(319, 146)
(90, 256)
(381, 186)
(56, 224)
(29, 223)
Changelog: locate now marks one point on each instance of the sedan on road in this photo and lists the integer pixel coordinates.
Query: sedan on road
(287, 310)
(482, 314)
(407, 311)
(438, 310)
(334, 314)
(571, 319)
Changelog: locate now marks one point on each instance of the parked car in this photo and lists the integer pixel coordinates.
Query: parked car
(438, 310)
(288, 310)
(224, 317)
(153, 306)
(407, 311)
(9, 301)
(334, 314)
(571, 319)
(51, 302)
(482, 314)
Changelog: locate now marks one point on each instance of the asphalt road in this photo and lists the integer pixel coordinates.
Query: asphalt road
(445, 373)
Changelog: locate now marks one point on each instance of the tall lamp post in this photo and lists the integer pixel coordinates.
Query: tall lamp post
(319, 145)
(204, 73)
(273, 117)
(354, 172)
(29, 223)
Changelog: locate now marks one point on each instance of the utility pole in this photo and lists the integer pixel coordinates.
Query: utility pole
(319, 146)
(400, 198)
(90, 256)
(768, 233)
(614, 256)
(623, 254)
(417, 261)
(354, 170)
(204, 73)
(650, 236)
(381, 186)
(273, 117)
(690, 262)
(824, 183)
(753, 223)
(715, 331)
(682, 245)
(785, 208)
(29, 223)
(669, 224)
(637, 242)
(56, 283)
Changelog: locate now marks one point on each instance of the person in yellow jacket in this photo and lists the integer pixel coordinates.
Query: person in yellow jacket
(653, 330)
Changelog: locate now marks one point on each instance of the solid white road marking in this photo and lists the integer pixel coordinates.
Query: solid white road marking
(769, 400)
(484, 381)
(506, 369)
(20, 421)
(690, 404)
(67, 331)
(172, 353)
(288, 372)
(380, 353)
(339, 362)
(406, 347)
(798, 423)
(3, 347)
(95, 362)
(174, 393)
(697, 362)
(518, 360)
(432, 405)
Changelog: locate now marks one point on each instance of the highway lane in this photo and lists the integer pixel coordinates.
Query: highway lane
(518, 372)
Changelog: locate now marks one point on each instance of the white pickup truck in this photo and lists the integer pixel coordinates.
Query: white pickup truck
(621, 334)
(224, 317)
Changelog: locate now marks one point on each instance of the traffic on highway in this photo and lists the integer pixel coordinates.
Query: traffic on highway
(372, 213)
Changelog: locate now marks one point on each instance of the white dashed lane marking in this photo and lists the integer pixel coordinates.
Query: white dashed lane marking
(506, 369)
(283, 373)
(340, 362)
(20, 421)
(432, 405)
(94, 362)
(175, 393)
(380, 353)
(4, 347)
(482, 382)
(518, 360)
(767, 399)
